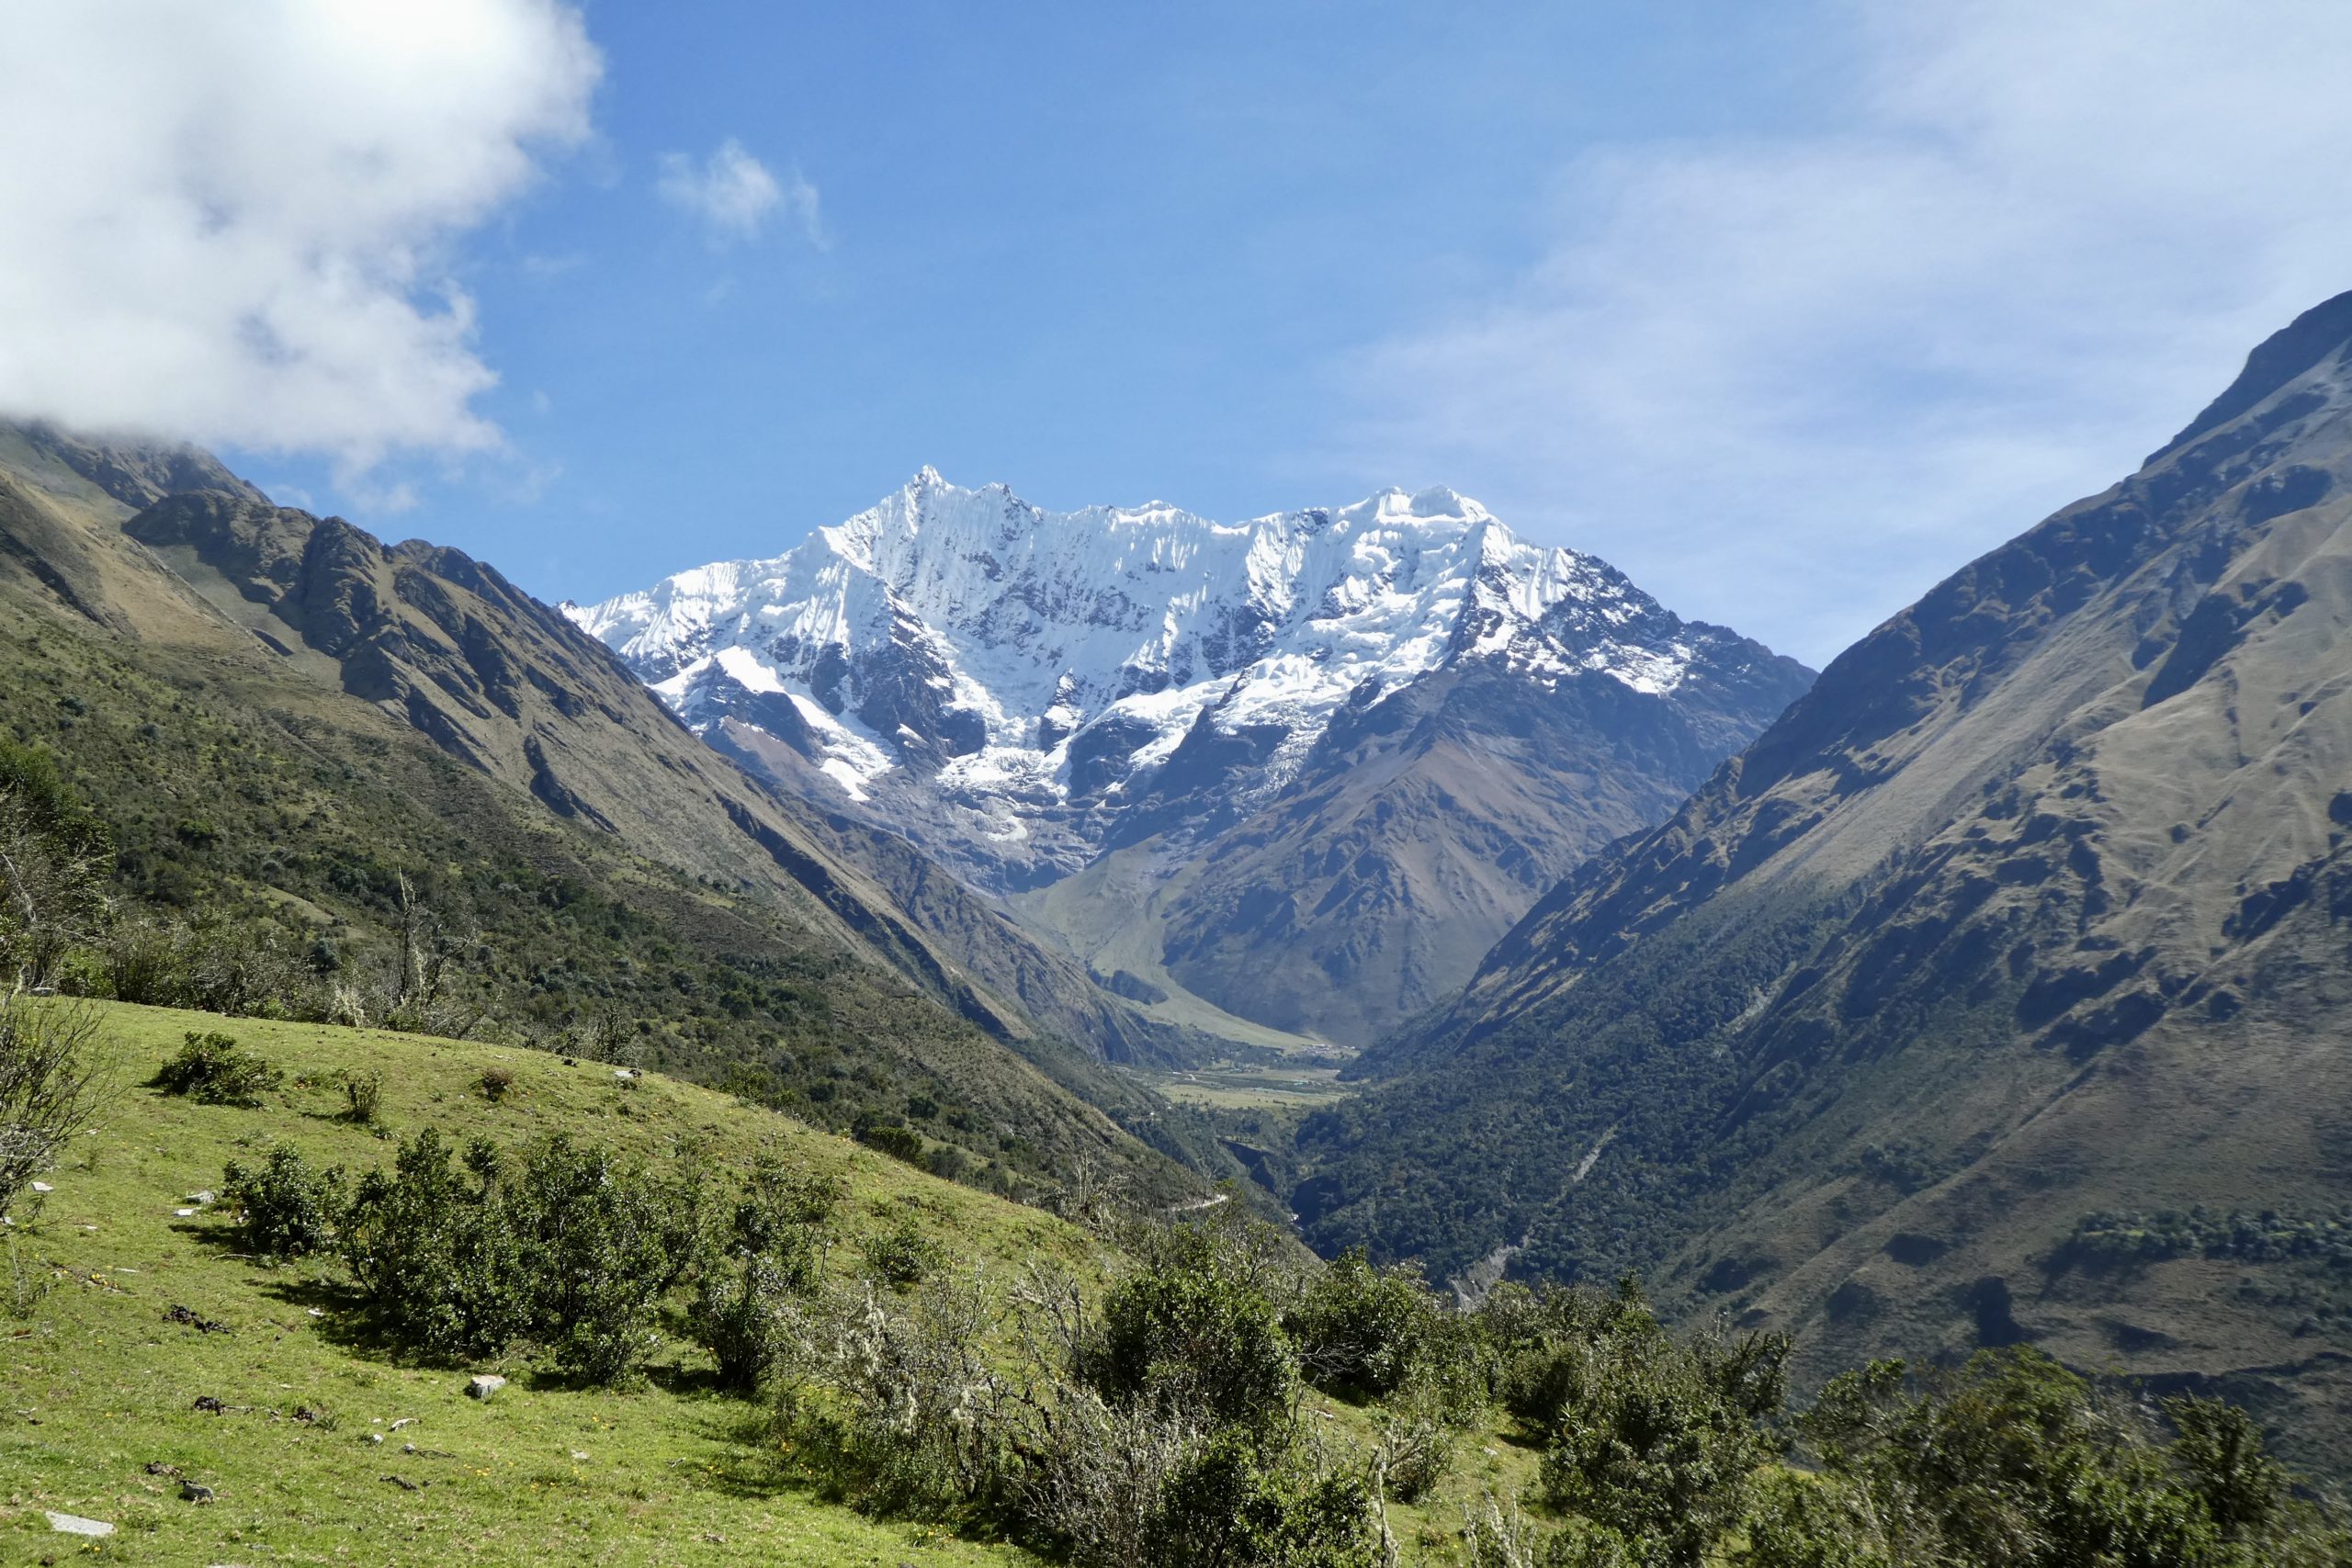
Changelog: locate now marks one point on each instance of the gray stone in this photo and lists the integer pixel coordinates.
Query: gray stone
(73, 1524)
(483, 1387)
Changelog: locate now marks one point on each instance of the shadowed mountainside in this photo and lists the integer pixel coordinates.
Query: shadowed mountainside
(1997, 992)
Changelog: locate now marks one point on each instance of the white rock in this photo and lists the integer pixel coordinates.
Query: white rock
(183, 1213)
(43, 1186)
(485, 1385)
(204, 1197)
(73, 1524)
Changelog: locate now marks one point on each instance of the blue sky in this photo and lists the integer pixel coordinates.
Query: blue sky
(1788, 308)
(1096, 253)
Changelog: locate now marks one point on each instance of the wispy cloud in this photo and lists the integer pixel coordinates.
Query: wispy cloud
(1789, 381)
(229, 223)
(735, 194)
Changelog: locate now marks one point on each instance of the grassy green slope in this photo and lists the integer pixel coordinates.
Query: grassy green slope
(97, 1384)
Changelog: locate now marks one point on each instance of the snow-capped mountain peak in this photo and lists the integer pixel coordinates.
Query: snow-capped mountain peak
(1036, 669)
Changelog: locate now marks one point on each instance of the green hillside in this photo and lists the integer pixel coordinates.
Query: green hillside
(99, 1383)
(1215, 1397)
(295, 742)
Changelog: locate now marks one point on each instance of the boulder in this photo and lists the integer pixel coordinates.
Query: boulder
(73, 1524)
(483, 1387)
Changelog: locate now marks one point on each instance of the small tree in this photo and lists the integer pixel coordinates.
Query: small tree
(54, 860)
(442, 1270)
(605, 1242)
(47, 1085)
(744, 1311)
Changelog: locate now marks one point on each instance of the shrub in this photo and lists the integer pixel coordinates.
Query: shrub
(47, 1085)
(901, 1257)
(1224, 1504)
(910, 1417)
(898, 1143)
(2014, 1459)
(1364, 1333)
(362, 1094)
(442, 1270)
(747, 1308)
(1192, 1330)
(211, 1068)
(605, 1242)
(566, 1247)
(497, 1083)
(143, 965)
(1415, 1453)
(284, 1208)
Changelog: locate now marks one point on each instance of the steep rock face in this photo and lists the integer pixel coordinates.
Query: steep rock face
(2033, 910)
(1142, 692)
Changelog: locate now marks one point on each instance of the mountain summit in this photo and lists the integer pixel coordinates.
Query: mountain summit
(1024, 692)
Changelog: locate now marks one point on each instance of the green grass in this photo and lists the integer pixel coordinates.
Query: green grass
(98, 1383)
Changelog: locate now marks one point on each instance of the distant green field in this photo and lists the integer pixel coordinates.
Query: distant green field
(1230, 1087)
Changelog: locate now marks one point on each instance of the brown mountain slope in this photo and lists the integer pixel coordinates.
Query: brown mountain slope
(332, 643)
(1418, 829)
(1998, 991)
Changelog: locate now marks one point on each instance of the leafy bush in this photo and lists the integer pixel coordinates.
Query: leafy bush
(1654, 1441)
(901, 1256)
(750, 1301)
(284, 1208)
(898, 1143)
(2013, 1460)
(1224, 1504)
(362, 1094)
(441, 1268)
(567, 1246)
(142, 965)
(211, 1068)
(1194, 1330)
(1365, 1332)
(605, 1242)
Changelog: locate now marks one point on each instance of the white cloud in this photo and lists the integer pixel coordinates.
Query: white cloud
(734, 194)
(229, 222)
(1789, 381)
